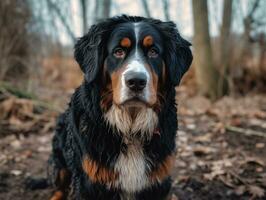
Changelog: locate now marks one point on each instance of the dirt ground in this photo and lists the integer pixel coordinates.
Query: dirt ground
(221, 149)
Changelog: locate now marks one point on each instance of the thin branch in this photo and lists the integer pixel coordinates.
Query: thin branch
(146, 8)
(253, 9)
(247, 132)
(166, 9)
(62, 19)
(83, 4)
(102, 9)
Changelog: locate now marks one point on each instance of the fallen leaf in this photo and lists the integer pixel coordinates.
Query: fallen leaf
(236, 122)
(263, 179)
(203, 150)
(227, 180)
(16, 144)
(191, 126)
(26, 154)
(6, 107)
(254, 160)
(259, 169)
(16, 172)
(213, 174)
(260, 145)
(203, 138)
(240, 190)
(174, 197)
(256, 191)
(260, 114)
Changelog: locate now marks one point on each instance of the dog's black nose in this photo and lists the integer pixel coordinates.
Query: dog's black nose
(136, 81)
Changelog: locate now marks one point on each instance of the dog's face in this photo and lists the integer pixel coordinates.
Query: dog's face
(135, 61)
(135, 64)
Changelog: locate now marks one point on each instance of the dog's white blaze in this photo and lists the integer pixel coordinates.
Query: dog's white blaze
(136, 30)
(131, 169)
(135, 65)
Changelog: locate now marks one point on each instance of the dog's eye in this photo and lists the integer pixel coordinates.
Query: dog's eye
(119, 53)
(152, 53)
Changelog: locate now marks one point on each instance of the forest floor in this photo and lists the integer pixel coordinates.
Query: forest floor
(221, 148)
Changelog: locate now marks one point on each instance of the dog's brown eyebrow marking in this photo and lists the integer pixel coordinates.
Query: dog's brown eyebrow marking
(148, 41)
(164, 168)
(98, 173)
(125, 42)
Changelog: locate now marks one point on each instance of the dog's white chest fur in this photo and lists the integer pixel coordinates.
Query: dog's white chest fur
(131, 165)
(131, 168)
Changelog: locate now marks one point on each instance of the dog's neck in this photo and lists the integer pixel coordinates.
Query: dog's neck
(132, 121)
(133, 112)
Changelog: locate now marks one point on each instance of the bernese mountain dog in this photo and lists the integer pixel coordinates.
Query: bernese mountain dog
(116, 140)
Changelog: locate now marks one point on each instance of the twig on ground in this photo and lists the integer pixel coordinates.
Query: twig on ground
(247, 132)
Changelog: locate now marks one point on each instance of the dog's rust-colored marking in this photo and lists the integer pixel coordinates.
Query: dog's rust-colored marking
(106, 99)
(63, 176)
(163, 170)
(63, 179)
(148, 41)
(62, 182)
(98, 173)
(117, 84)
(125, 42)
(58, 195)
(106, 94)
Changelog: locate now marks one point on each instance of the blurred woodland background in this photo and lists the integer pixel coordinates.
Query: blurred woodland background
(222, 100)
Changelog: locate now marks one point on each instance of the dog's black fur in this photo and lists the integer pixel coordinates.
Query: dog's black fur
(82, 132)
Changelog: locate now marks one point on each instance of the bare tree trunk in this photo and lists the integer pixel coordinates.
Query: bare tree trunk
(102, 9)
(15, 51)
(262, 57)
(166, 9)
(225, 29)
(225, 47)
(83, 5)
(206, 74)
(146, 8)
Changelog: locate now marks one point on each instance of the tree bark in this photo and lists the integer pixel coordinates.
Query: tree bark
(225, 29)
(102, 9)
(83, 4)
(225, 47)
(166, 9)
(262, 43)
(206, 74)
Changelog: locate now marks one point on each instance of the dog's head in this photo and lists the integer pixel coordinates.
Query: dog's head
(134, 60)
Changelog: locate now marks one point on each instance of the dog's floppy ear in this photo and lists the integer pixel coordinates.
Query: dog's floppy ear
(89, 51)
(178, 56)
